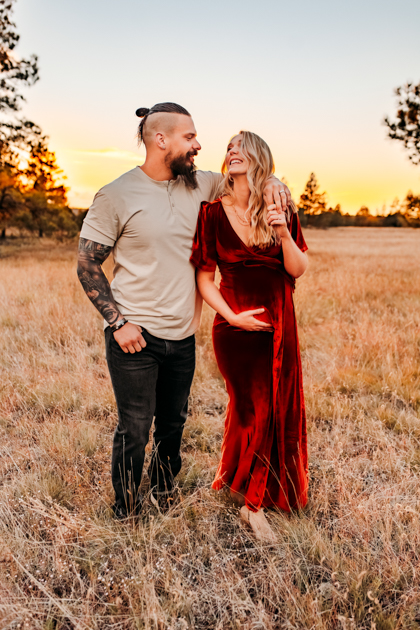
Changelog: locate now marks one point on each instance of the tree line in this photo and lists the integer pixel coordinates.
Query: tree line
(405, 128)
(313, 211)
(33, 195)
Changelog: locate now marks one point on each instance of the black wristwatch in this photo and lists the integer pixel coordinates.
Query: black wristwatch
(120, 323)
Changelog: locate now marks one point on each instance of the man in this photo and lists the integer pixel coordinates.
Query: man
(147, 217)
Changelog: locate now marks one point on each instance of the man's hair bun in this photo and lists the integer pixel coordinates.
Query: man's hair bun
(158, 108)
(142, 111)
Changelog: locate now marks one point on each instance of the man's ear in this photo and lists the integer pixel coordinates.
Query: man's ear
(160, 141)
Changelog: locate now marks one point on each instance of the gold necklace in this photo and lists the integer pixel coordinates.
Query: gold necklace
(241, 220)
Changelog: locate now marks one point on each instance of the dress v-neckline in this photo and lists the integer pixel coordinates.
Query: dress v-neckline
(252, 248)
(233, 229)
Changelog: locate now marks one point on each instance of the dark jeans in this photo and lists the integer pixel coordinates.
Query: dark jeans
(153, 382)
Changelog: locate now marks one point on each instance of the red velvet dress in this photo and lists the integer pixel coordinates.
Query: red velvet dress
(264, 449)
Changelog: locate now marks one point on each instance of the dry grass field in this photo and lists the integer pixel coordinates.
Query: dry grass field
(350, 560)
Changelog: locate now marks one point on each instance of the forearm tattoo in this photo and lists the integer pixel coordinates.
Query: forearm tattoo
(94, 282)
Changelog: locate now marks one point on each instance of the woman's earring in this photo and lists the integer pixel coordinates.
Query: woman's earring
(230, 178)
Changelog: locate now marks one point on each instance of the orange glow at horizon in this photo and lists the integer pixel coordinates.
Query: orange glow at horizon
(87, 170)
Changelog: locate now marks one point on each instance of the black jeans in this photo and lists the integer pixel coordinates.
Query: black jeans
(153, 382)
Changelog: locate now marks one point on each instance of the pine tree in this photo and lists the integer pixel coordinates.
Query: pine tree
(45, 196)
(406, 127)
(31, 195)
(412, 206)
(11, 199)
(311, 200)
(15, 74)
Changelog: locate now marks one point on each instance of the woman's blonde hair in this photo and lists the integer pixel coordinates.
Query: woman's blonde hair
(261, 166)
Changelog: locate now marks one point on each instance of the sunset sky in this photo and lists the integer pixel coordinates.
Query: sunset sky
(314, 79)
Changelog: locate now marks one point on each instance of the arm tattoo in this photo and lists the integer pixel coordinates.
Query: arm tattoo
(93, 280)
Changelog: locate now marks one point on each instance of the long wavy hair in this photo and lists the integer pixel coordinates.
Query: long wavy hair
(261, 166)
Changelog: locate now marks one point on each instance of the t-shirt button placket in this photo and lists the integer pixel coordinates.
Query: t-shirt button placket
(171, 203)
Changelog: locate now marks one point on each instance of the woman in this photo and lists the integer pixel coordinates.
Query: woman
(260, 252)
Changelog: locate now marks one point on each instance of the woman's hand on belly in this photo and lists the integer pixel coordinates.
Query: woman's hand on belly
(247, 321)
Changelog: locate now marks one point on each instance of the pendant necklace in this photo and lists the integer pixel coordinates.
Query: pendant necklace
(241, 220)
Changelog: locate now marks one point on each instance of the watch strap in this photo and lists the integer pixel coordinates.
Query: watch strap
(120, 323)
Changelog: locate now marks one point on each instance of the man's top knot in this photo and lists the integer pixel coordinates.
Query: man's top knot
(158, 108)
(142, 111)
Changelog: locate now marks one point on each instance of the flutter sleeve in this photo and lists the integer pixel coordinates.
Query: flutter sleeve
(296, 232)
(204, 255)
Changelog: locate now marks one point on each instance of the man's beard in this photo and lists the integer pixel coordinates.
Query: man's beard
(182, 167)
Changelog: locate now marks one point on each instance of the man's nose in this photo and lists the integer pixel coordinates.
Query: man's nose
(197, 146)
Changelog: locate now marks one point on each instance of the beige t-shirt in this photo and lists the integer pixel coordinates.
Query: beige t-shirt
(151, 226)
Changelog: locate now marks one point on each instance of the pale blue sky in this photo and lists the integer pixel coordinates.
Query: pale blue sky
(314, 79)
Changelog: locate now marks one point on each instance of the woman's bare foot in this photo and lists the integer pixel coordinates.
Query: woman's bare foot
(258, 524)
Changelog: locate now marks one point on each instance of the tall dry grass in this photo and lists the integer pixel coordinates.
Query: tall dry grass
(350, 560)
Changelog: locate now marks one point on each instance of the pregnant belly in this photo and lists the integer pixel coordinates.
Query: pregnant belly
(254, 288)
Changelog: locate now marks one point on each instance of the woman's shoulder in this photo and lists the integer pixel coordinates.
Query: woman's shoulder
(211, 206)
(209, 210)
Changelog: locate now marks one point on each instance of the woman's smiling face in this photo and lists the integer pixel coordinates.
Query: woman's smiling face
(236, 162)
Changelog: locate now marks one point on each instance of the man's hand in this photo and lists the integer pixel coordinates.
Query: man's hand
(129, 338)
(275, 192)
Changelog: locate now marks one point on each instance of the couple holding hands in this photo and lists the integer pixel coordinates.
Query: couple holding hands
(169, 226)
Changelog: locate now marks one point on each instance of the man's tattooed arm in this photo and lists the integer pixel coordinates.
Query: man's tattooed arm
(96, 286)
